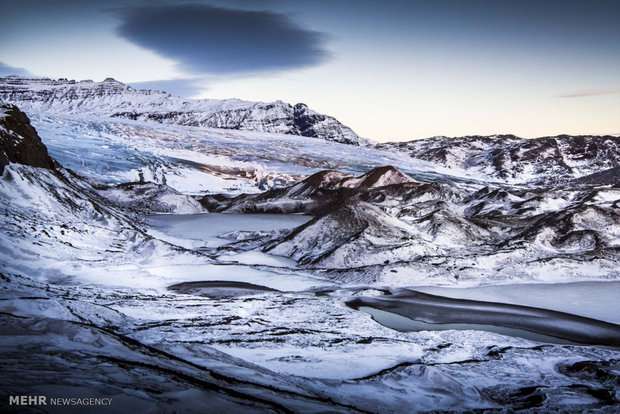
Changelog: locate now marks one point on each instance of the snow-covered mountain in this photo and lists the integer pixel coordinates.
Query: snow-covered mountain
(395, 230)
(512, 159)
(247, 312)
(111, 98)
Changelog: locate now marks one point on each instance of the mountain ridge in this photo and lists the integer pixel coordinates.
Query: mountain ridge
(406, 230)
(512, 159)
(112, 98)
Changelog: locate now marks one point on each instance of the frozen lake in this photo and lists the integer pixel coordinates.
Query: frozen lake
(201, 231)
(409, 310)
(194, 231)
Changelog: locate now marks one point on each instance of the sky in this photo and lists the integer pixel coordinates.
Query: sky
(391, 70)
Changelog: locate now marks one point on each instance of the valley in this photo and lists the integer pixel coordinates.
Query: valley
(169, 261)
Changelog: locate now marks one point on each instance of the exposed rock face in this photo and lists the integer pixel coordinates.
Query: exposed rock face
(19, 142)
(513, 159)
(115, 99)
(312, 124)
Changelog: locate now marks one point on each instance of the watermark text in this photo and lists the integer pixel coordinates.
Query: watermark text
(39, 400)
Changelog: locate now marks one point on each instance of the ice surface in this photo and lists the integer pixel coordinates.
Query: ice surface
(598, 300)
(426, 311)
(203, 229)
(198, 160)
(254, 257)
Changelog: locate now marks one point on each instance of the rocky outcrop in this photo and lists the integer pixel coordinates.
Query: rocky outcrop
(149, 198)
(19, 142)
(309, 123)
(606, 177)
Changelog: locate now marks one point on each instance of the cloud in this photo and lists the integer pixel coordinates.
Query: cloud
(181, 87)
(6, 70)
(206, 39)
(589, 92)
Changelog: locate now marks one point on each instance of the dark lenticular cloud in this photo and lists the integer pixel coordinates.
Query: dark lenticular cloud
(205, 39)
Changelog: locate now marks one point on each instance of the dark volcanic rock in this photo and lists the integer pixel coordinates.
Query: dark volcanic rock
(607, 177)
(19, 142)
(308, 123)
(149, 197)
(317, 194)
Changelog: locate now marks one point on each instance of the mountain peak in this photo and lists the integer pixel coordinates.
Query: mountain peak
(377, 177)
(112, 81)
(382, 176)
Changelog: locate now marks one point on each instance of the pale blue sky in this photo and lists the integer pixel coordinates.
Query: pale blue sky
(392, 70)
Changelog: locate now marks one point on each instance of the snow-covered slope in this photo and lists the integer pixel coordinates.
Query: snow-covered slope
(402, 231)
(111, 98)
(517, 160)
(51, 215)
(148, 197)
(86, 292)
